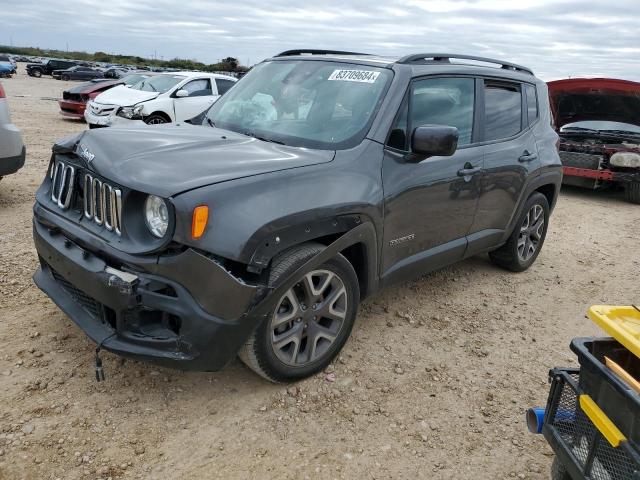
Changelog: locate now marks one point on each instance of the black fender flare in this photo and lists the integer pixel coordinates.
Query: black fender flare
(364, 233)
(550, 177)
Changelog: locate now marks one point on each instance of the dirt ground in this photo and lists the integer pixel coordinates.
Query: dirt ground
(433, 383)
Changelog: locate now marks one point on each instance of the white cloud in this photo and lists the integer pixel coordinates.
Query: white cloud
(557, 38)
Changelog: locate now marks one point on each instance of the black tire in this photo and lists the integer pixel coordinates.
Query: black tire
(65, 78)
(509, 255)
(155, 119)
(36, 73)
(632, 192)
(259, 353)
(558, 472)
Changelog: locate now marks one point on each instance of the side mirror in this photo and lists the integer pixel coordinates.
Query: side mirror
(434, 140)
(182, 94)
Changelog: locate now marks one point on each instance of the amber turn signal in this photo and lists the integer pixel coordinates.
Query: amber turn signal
(199, 222)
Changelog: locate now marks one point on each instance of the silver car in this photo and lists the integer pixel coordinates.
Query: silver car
(12, 151)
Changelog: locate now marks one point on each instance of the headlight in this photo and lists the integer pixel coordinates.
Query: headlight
(156, 215)
(131, 112)
(625, 159)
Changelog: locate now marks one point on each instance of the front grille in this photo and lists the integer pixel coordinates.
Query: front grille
(581, 160)
(101, 201)
(102, 110)
(91, 306)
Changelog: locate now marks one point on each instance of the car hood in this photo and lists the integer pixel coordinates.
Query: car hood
(124, 96)
(166, 160)
(90, 87)
(580, 99)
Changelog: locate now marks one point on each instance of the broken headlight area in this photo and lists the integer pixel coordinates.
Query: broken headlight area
(131, 113)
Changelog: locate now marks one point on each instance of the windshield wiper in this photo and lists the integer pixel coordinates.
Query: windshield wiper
(620, 133)
(270, 140)
(580, 129)
(210, 122)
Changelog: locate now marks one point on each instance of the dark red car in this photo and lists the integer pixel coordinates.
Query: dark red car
(598, 120)
(74, 100)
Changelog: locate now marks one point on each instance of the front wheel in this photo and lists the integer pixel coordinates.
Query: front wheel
(526, 240)
(155, 119)
(65, 78)
(37, 73)
(632, 192)
(310, 323)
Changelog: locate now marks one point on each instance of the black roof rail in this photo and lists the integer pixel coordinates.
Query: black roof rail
(307, 51)
(446, 57)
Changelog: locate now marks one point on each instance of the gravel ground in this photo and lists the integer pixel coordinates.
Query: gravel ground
(433, 383)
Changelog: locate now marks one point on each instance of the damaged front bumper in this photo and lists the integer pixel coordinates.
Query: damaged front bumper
(181, 311)
(604, 174)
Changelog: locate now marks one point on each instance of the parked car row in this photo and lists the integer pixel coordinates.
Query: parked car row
(74, 100)
(144, 97)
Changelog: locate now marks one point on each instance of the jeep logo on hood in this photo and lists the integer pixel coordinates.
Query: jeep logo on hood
(85, 154)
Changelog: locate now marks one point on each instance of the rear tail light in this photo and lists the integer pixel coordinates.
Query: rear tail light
(2, 95)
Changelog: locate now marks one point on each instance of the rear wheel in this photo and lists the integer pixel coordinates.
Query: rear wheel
(526, 240)
(310, 323)
(632, 193)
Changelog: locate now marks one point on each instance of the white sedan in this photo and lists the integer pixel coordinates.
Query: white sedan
(164, 98)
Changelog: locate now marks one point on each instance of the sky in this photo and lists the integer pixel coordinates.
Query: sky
(556, 38)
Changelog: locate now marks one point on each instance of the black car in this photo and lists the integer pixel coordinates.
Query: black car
(318, 179)
(47, 68)
(77, 73)
(115, 72)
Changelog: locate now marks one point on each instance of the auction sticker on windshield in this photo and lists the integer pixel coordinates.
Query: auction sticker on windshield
(364, 76)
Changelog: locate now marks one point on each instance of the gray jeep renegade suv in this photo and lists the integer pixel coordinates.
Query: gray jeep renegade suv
(319, 178)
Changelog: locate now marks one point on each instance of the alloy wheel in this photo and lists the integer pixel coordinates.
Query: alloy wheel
(531, 232)
(308, 318)
(155, 120)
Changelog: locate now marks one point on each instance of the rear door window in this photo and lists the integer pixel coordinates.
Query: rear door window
(223, 85)
(503, 110)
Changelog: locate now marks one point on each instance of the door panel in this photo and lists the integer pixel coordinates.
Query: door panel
(508, 161)
(200, 98)
(430, 205)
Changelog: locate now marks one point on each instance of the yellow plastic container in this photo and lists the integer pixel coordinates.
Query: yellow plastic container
(621, 322)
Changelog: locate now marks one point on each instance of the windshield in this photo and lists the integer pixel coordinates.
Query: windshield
(602, 126)
(133, 79)
(315, 104)
(159, 83)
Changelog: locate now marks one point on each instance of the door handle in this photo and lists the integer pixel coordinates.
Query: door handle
(466, 172)
(527, 157)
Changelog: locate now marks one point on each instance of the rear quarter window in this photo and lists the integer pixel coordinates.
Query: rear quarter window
(503, 111)
(532, 103)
